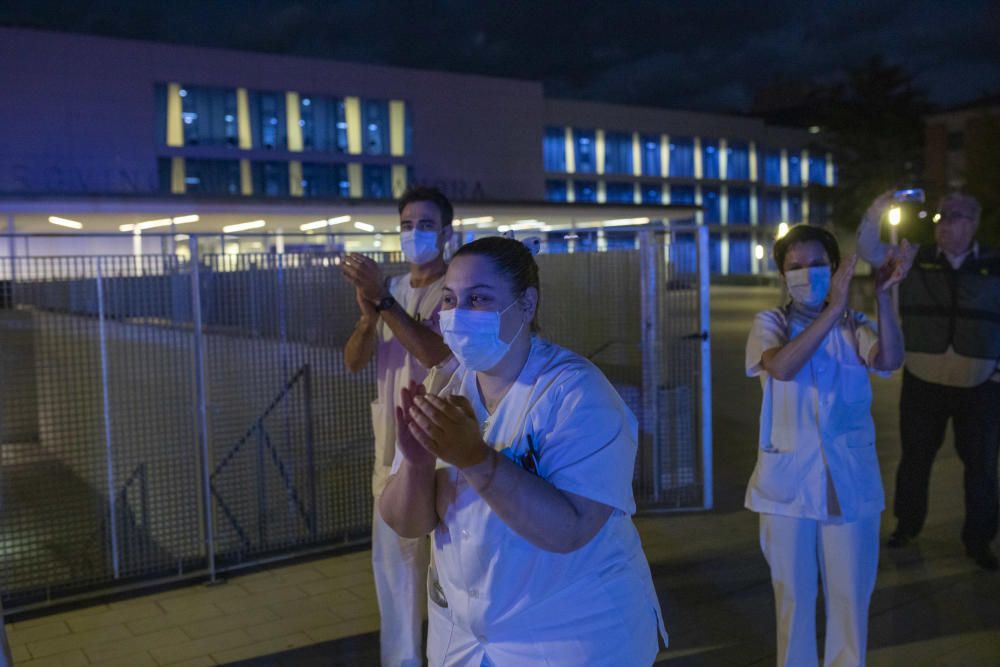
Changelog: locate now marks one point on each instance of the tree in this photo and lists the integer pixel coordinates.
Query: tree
(874, 122)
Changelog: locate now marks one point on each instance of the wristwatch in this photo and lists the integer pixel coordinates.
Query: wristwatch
(385, 303)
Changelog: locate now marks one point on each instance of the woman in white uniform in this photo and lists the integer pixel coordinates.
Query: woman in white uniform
(816, 484)
(518, 458)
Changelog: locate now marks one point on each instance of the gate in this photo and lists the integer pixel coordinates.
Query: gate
(164, 418)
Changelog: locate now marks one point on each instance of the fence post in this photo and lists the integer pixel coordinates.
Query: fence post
(705, 376)
(106, 398)
(202, 411)
(650, 279)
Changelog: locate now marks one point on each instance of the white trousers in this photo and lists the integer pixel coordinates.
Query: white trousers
(400, 567)
(845, 555)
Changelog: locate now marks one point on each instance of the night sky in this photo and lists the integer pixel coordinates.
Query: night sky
(706, 55)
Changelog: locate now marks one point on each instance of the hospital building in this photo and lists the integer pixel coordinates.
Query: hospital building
(106, 140)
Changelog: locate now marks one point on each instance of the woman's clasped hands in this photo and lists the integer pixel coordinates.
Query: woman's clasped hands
(433, 427)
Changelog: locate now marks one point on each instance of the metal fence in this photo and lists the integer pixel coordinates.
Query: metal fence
(164, 418)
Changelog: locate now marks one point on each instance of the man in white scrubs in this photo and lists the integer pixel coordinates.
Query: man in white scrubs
(398, 328)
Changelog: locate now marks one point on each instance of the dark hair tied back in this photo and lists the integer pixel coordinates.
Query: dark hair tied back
(513, 260)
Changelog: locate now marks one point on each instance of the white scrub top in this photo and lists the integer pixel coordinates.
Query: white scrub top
(510, 600)
(816, 456)
(396, 367)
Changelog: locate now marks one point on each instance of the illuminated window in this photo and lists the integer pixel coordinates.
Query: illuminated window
(711, 206)
(715, 252)
(583, 141)
(215, 177)
(586, 191)
(795, 208)
(739, 206)
(617, 153)
(267, 118)
(270, 179)
(738, 162)
(620, 240)
(650, 151)
(324, 125)
(794, 170)
(325, 180)
(652, 193)
(682, 194)
(375, 127)
(620, 193)
(377, 181)
(817, 170)
(208, 116)
(739, 253)
(709, 158)
(772, 168)
(556, 190)
(772, 208)
(554, 149)
(682, 158)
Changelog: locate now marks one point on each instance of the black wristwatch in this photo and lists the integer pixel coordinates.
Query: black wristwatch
(386, 303)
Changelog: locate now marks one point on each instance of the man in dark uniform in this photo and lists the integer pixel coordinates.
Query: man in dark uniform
(950, 309)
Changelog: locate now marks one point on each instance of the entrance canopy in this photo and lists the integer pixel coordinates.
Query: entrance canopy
(126, 215)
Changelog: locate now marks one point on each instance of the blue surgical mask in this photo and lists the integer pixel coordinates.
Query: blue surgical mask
(419, 247)
(474, 336)
(809, 286)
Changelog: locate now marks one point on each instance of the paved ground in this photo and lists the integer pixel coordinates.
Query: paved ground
(932, 607)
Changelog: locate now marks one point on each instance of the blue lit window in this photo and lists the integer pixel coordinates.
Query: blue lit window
(556, 190)
(715, 253)
(324, 126)
(739, 253)
(738, 162)
(794, 170)
(650, 151)
(617, 153)
(583, 141)
(325, 180)
(620, 193)
(652, 193)
(682, 158)
(267, 117)
(619, 240)
(772, 208)
(585, 191)
(684, 253)
(739, 206)
(208, 116)
(709, 158)
(554, 149)
(711, 207)
(212, 177)
(682, 194)
(270, 179)
(378, 181)
(556, 243)
(772, 168)
(795, 209)
(375, 127)
(817, 170)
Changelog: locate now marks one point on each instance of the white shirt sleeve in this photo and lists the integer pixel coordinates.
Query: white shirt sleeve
(768, 331)
(590, 445)
(871, 248)
(866, 335)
